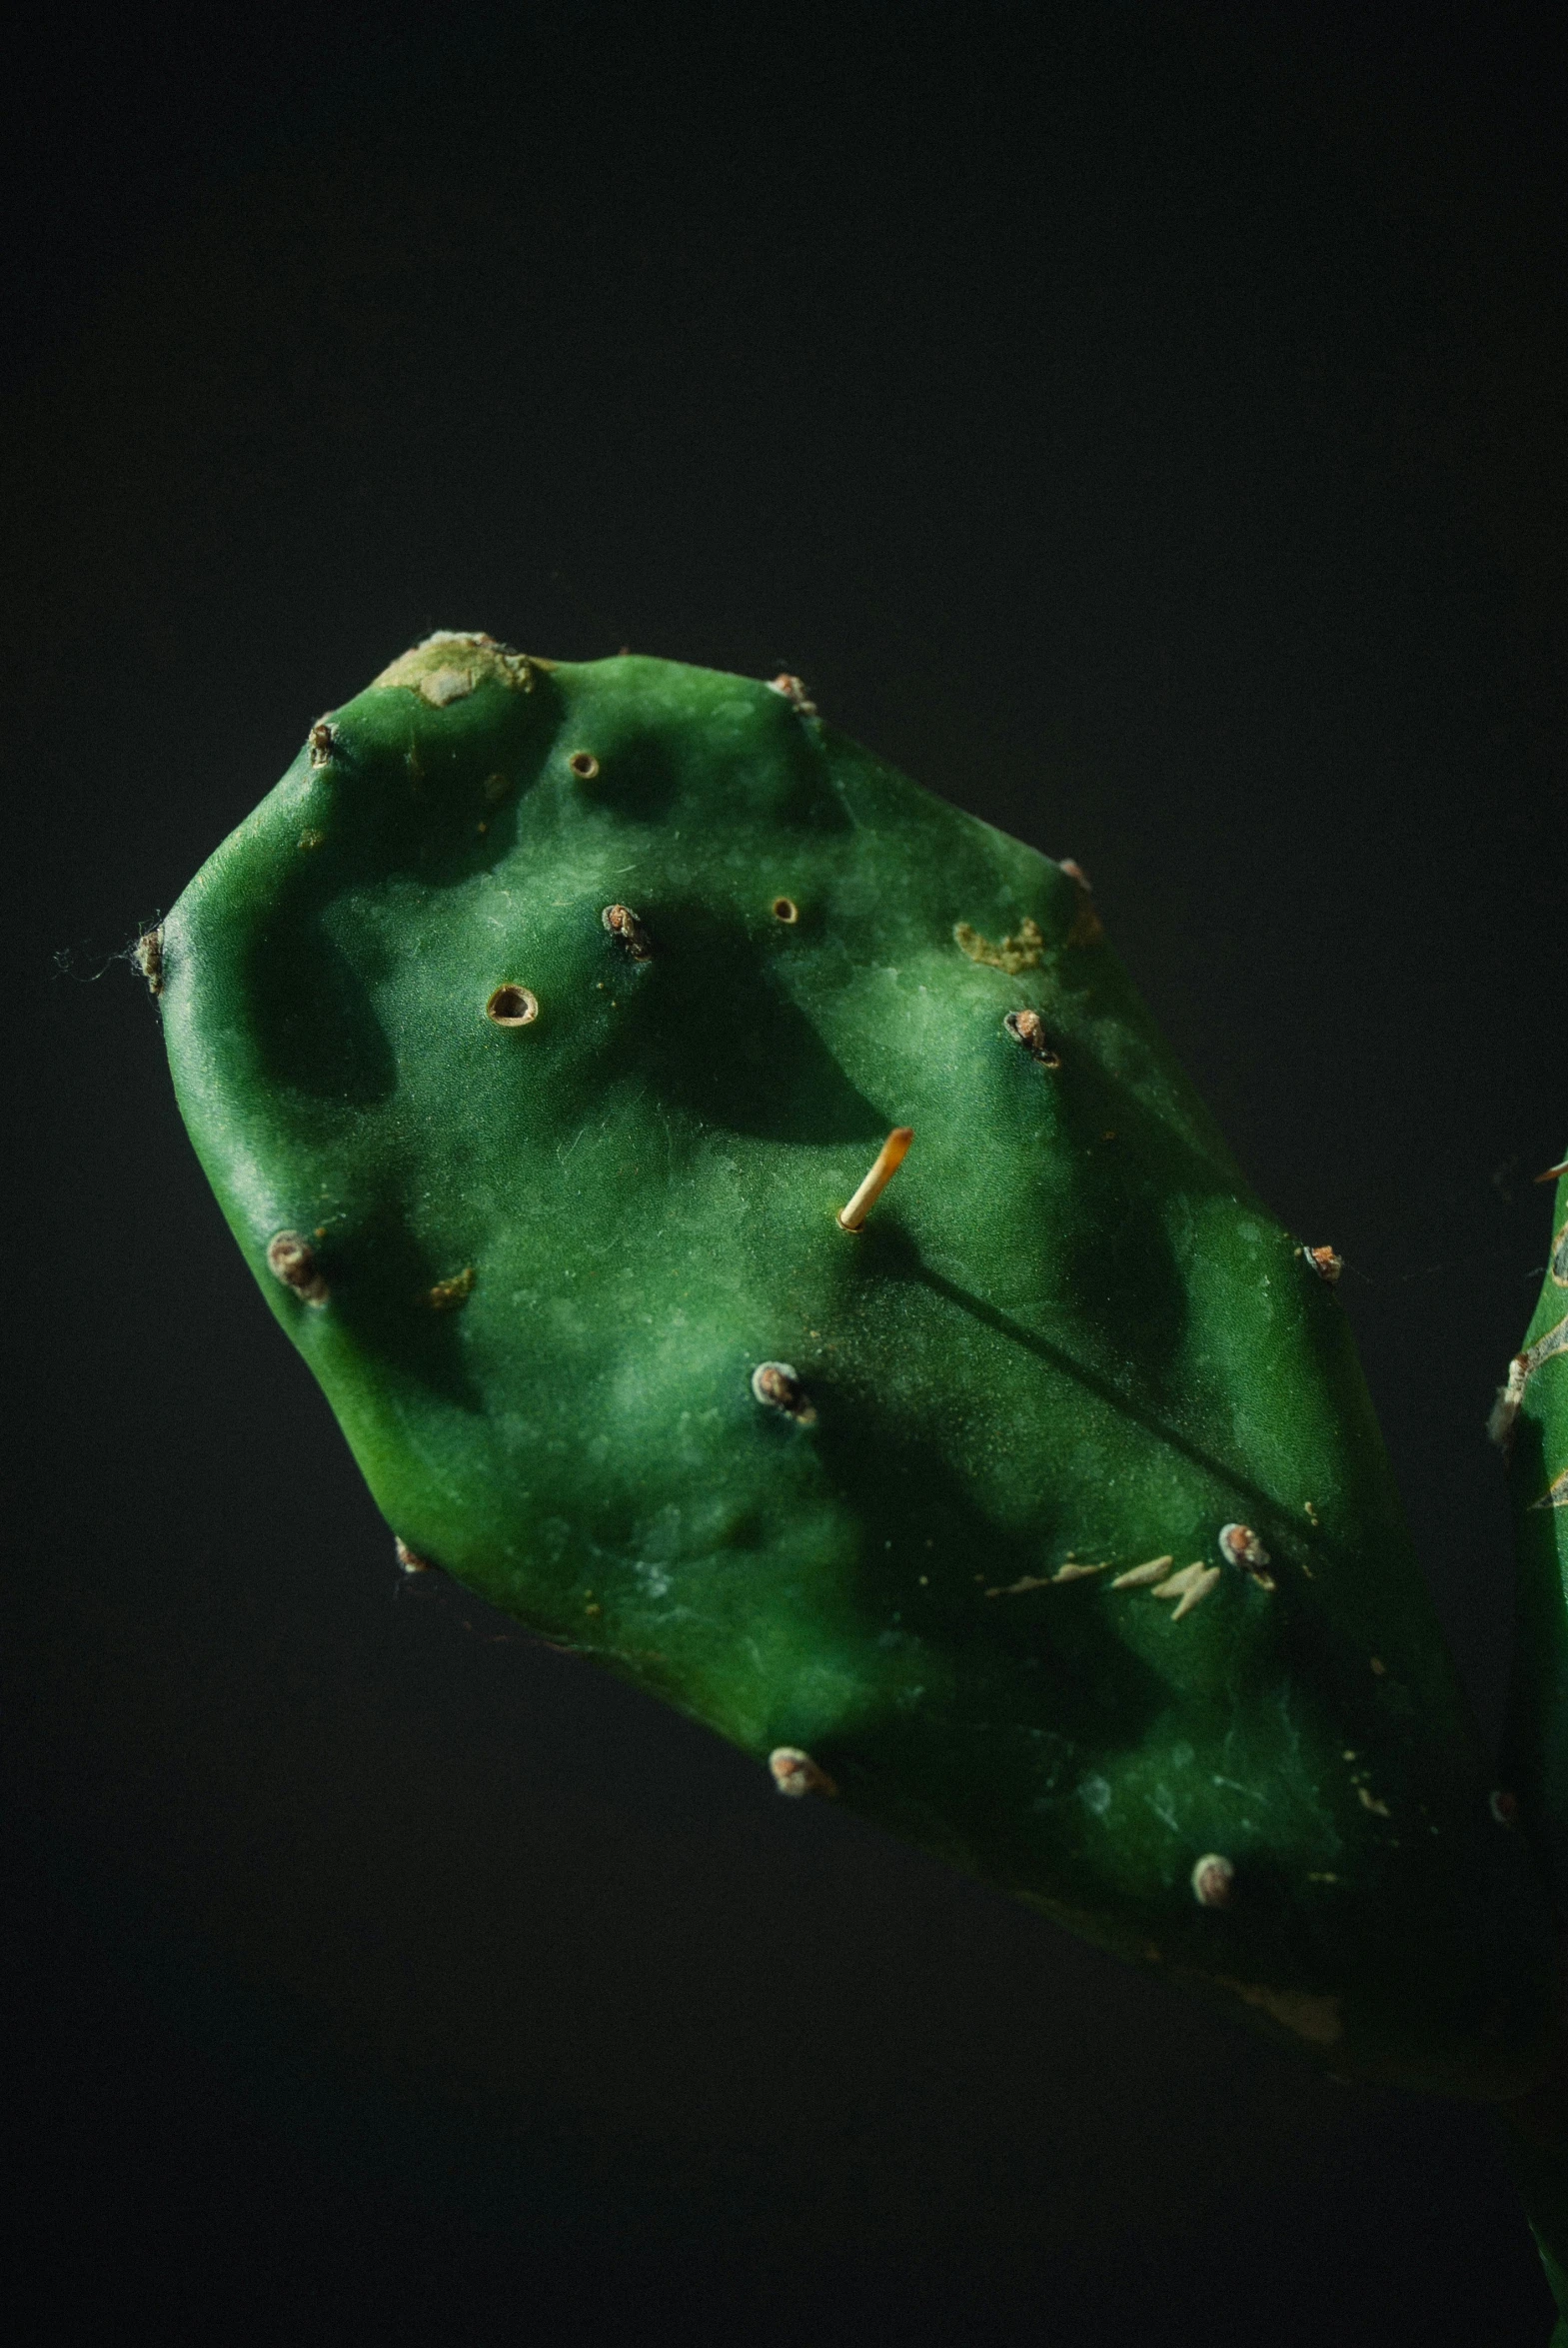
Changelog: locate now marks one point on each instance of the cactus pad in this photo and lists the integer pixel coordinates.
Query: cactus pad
(1530, 1423)
(534, 1032)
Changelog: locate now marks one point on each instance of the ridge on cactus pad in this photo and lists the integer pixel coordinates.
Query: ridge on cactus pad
(535, 1031)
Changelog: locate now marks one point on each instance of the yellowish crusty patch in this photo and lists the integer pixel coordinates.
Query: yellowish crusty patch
(1143, 1576)
(1025, 951)
(449, 665)
(1073, 1570)
(446, 1296)
(1189, 1587)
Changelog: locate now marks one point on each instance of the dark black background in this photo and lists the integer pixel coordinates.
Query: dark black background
(1145, 426)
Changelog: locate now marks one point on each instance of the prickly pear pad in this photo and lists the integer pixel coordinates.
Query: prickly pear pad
(534, 1031)
(1530, 1422)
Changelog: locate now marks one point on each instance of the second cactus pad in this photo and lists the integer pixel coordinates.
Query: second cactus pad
(535, 1031)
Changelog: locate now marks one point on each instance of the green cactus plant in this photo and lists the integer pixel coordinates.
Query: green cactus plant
(1530, 1423)
(537, 1033)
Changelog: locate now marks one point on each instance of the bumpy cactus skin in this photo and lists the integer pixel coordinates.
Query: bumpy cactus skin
(1530, 1422)
(533, 1032)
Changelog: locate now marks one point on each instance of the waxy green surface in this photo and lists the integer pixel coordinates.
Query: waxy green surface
(555, 1253)
(1531, 1423)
